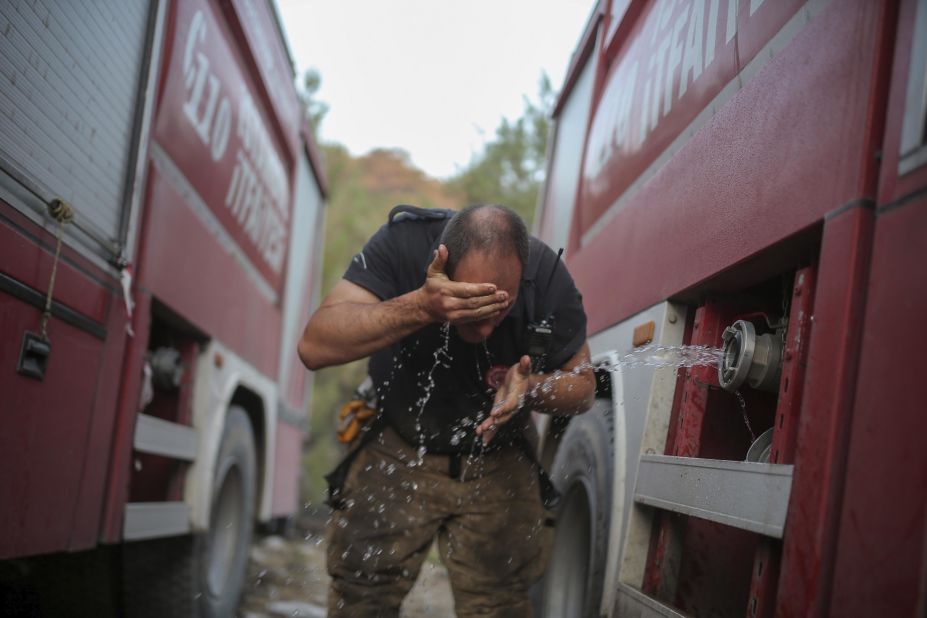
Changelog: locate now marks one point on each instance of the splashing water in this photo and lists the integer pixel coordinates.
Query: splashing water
(743, 410)
(655, 356)
(673, 356)
(441, 356)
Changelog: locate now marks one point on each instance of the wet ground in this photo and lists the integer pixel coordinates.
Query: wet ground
(287, 578)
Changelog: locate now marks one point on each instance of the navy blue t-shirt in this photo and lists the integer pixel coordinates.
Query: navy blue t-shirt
(433, 387)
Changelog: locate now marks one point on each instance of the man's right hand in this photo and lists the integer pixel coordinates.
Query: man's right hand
(352, 322)
(457, 302)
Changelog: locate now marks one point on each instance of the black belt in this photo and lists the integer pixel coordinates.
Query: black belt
(550, 497)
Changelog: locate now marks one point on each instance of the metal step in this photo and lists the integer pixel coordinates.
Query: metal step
(750, 496)
(149, 520)
(632, 603)
(159, 437)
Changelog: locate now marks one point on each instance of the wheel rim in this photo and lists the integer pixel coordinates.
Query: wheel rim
(569, 569)
(224, 531)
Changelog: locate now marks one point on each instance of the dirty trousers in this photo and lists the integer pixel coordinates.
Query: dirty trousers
(489, 523)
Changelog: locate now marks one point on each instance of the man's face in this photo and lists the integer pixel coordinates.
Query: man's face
(479, 267)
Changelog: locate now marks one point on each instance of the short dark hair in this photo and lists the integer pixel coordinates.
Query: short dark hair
(492, 228)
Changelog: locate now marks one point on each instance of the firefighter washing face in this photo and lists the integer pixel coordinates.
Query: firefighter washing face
(442, 304)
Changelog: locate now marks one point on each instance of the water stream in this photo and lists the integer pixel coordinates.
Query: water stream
(652, 356)
(442, 356)
(743, 410)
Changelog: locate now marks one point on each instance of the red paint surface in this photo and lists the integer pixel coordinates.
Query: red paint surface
(202, 37)
(66, 444)
(794, 365)
(44, 435)
(215, 294)
(88, 516)
(56, 433)
(27, 253)
(880, 559)
(710, 321)
(629, 130)
(811, 131)
(767, 560)
(287, 459)
(120, 456)
(808, 543)
(764, 579)
(751, 177)
(881, 556)
(272, 63)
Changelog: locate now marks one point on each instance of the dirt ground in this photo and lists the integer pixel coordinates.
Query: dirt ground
(287, 578)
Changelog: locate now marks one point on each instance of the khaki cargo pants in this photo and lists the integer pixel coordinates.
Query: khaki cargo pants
(489, 526)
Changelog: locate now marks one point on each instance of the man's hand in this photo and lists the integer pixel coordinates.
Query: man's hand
(509, 399)
(457, 302)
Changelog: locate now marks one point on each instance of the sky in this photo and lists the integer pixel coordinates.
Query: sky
(431, 77)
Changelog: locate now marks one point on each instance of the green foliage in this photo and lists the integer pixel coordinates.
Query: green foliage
(313, 108)
(510, 169)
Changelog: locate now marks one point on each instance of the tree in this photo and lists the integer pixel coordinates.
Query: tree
(313, 108)
(510, 168)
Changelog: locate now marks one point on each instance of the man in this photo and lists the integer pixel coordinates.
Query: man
(447, 309)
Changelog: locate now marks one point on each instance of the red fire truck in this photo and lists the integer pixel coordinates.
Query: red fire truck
(748, 175)
(160, 216)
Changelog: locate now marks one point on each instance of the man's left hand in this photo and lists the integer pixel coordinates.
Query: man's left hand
(509, 399)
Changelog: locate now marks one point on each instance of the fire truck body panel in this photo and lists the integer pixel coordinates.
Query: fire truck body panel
(301, 286)
(74, 84)
(886, 500)
(63, 137)
(883, 510)
(778, 178)
(215, 145)
(811, 89)
(301, 289)
(214, 205)
(239, 317)
(569, 130)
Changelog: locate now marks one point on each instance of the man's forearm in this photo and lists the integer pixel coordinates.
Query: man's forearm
(561, 392)
(346, 331)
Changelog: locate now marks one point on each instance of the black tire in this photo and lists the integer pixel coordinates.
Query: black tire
(201, 576)
(582, 472)
(223, 556)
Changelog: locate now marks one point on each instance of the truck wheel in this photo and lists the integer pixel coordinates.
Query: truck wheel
(223, 553)
(200, 576)
(582, 471)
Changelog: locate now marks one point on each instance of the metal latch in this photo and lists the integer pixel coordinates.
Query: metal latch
(33, 357)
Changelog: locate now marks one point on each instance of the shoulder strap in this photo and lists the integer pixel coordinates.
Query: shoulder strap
(529, 276)
(406, 212)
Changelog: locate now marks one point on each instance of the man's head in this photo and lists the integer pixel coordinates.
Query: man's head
(486, 243)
